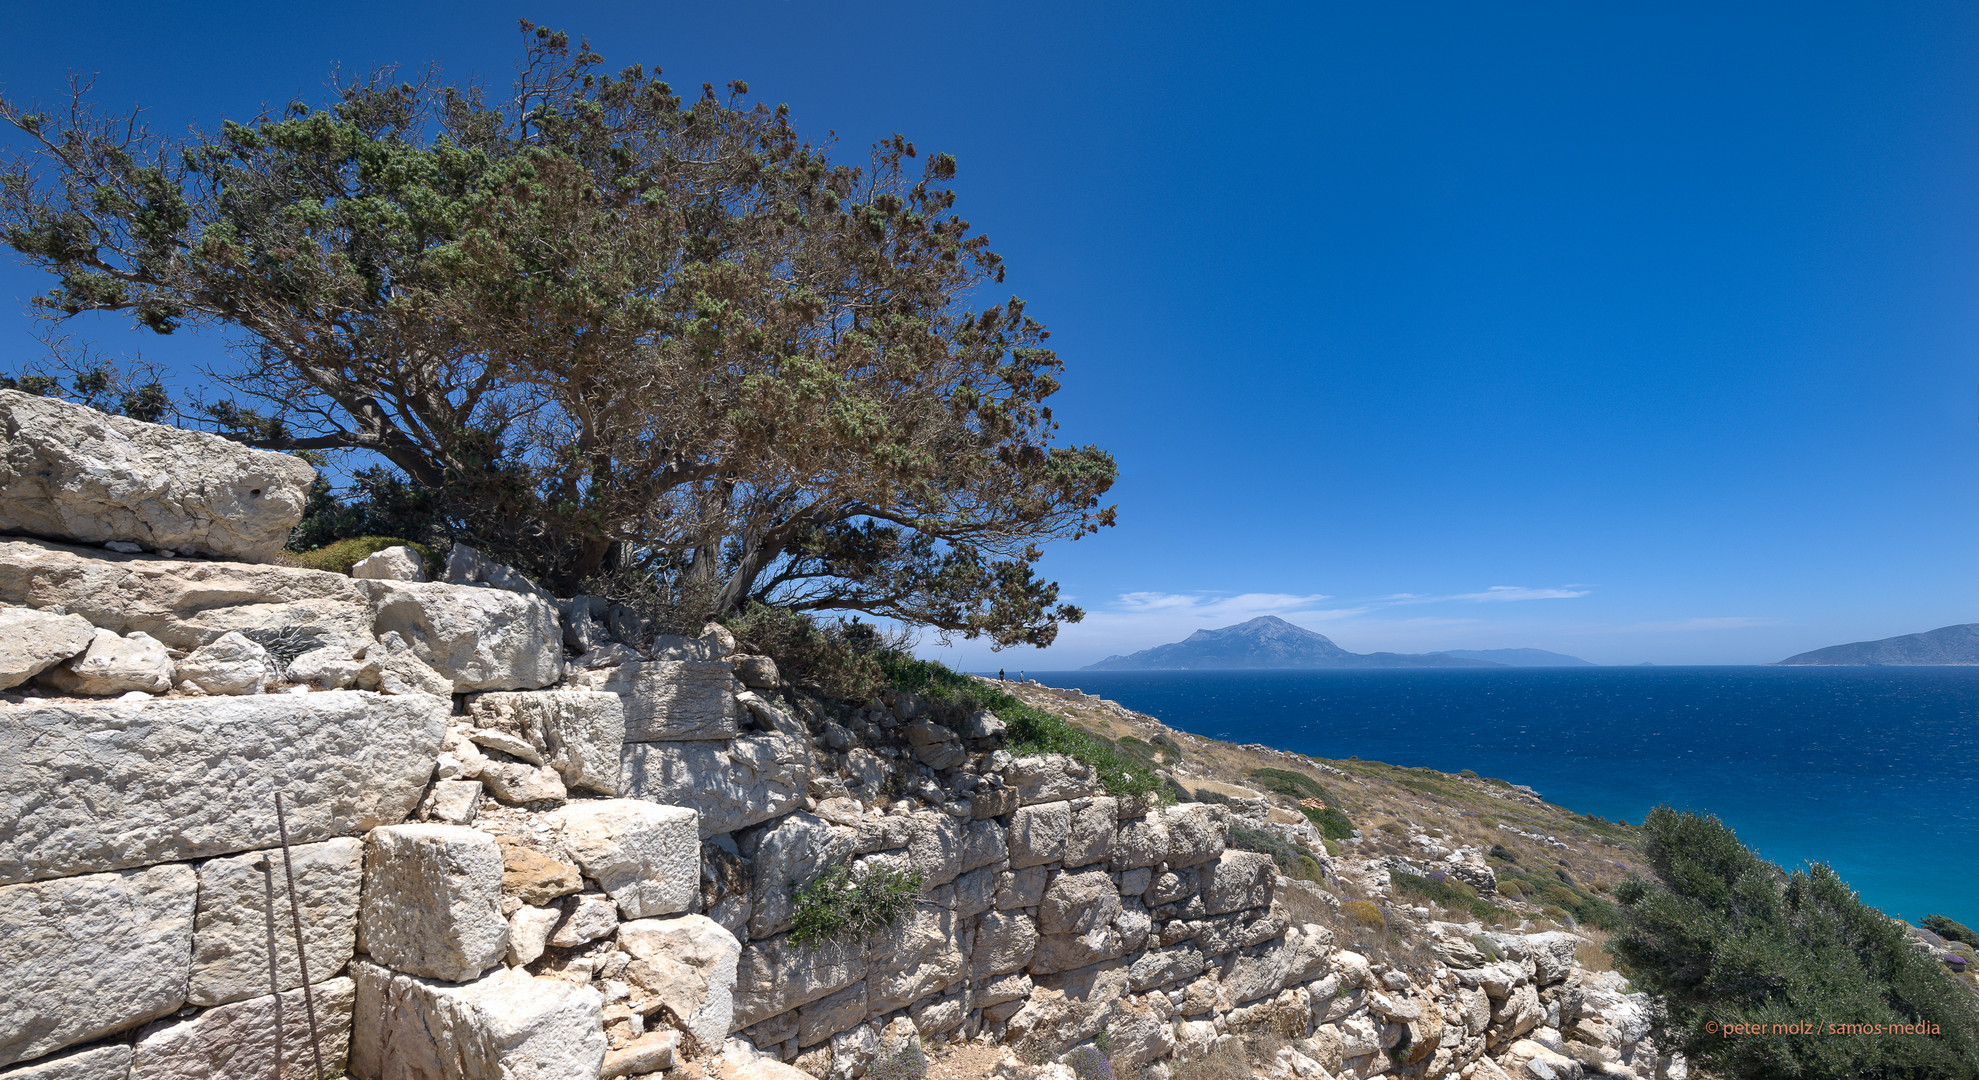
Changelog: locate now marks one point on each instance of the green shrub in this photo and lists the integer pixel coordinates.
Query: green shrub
(1331, 822)
(340, 556)
(840, 658)
(838, 906)
(1031, 731)
(1511, 887)
(907, 1063)
(1725, 937)
(1500, 851)
(1450, 894)
(1365, 914)
(1394, 828)
(1295, 785)
(1288, 856)
(1951, 930)
(1170, 749)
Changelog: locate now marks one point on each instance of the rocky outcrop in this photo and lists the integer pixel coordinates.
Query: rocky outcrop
(33, 641)
(103, 785)
(481, 639)
(72, 473)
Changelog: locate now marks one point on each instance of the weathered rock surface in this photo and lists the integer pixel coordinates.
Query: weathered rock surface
(239, 1041)
(482, 639)
(793, 851)
(243, 900)
(33, 641)
(507, 1026)
(432, 901)
(579, 733)
(687, 962)
(89, 955)
(115, 664)
(732, 785)
(777, 975)
(532, 877)
(399, 563)
(111, 1062)
(670, 699)
(70, 472)
(230, 665)
(466, 566)
(183, 604)
(112, 784)
(647, 857)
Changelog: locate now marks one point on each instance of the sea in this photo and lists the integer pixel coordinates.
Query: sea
(1870, 770)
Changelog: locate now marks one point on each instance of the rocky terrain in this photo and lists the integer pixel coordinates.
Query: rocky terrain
(530, 837)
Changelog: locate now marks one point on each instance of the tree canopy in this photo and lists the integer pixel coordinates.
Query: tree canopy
(599, 328)
(1726, 939)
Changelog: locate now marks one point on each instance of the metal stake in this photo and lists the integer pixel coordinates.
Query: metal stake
(301, 961)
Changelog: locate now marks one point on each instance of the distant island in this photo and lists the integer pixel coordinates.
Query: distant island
(1270, 642)
(1945, 646)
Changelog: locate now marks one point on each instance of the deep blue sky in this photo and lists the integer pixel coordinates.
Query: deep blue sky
(1639, 335)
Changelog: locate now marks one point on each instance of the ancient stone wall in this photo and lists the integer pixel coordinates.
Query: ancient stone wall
(531, 839)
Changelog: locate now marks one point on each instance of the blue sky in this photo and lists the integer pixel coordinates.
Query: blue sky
(1639, 335)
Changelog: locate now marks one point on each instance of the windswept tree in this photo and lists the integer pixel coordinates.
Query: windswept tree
(605, 329)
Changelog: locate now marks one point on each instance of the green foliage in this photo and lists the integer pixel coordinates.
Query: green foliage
(1293, 784)
(1557, 890)
(1500, 851)
(1450, 894)
(1724, 937)
(378, 502)
(1031, 731)
(841, 658)
(340, 556)
(1291, 859)
(906, 1063)
(1365, 914)
(1331, 822)
(1951, 930)
(839, 907)
(1170, 749)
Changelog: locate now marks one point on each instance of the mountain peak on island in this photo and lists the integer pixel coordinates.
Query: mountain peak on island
(1946, 646)
(1267, 642)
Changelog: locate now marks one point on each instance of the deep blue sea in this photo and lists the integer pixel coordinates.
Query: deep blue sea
(1871, 770)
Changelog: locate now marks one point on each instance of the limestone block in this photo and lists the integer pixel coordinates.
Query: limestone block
(1179, 836)
(1159, 967)
(1238, 880)
(183, 604)
(451, 802)
(1020, 888)
(1552, 955)
(690, 963)
(85, 956)
(792, 851)
(649, 1053)
(778, 975)
(934, 846)
(529, 933)
(70, 472)
(231, 664)
(1038, 833)
(239, 1041)
(533, 877)
(432, 901)
(466, 566)
(1517, 1014)
(738, 784)
(1005, 942)
(592, 917)
(401, 671)
(515, 783)
(580, 734)
(984, 843)
(111, 784)
(399, 563)
(332, 667)
(758, 672)
(1075, 902)
(829, 1015)
(1255, 973)
(506, 1026)
(647, 857)
(1004, 988)
(481, 639)
(1091, 837)
(668, 700)
(1049, 778)
(111, 1062)
(243, 901)
(975, 891)
(114, 664)
(33, 641)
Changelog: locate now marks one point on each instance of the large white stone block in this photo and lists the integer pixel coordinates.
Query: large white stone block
(432, 901)
(244, 899)
(115, 664)
(482, 639)
(778, 975)
(262, 1038)
(688, 962)
(111, 1062)
(231, 664)
(1238, 880)
(731, 784)
(103, 785)
(648, 857)
(670, 699)
(1176, 835)
(70, 472)
(793, 851)
(507, 1026)
(184, 604)
(33, 641)
(579, 733)
(86, 956)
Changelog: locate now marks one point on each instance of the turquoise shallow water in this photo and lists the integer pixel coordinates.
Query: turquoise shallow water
(1871, 770)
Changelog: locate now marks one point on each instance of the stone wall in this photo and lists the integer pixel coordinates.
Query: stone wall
(530, 838)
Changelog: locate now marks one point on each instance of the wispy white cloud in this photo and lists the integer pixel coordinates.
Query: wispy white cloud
(1671, 626)
(1502, 593)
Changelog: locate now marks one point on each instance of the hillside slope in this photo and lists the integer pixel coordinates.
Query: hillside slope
(1946, 646)
(1268, 642)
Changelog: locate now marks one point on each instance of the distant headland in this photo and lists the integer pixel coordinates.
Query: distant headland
(1270, 642)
